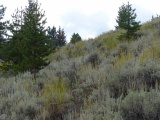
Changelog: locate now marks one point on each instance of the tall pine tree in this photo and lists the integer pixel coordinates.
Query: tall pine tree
(29, 45)
(126, 20)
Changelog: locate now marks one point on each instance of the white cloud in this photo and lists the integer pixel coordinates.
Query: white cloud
(86, 26)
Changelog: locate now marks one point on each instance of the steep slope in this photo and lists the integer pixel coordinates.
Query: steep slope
(102, 78)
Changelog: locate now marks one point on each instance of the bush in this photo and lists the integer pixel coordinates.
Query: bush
(102, 108)
(141, 106)
(55, 98)
(26, 109)
(130, 74)
(93, 59)
(148, 74)
(132, 107)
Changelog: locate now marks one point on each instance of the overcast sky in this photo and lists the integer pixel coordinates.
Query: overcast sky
(89, 18)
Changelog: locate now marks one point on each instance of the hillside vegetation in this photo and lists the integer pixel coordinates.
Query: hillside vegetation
(97, 79)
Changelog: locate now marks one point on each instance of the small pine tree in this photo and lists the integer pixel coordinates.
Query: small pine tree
(126, 20)
(29, 44)
(75, 38)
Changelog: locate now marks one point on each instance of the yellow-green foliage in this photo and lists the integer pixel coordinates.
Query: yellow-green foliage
(155, 49)
(111, 43)
(110, 39)
(79, 49)
(50, 57)
(26, 86)
(0, 63)
(54, 95)
(56, 54)
(150, 52)
(145, 55)
(80, 44)
(147, 26)
(124, 57)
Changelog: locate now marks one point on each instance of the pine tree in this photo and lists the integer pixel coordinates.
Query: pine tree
(29, 44)
(58, 37)
(52, 34)
(3, 30)
(126, 20)
(3, 24)
(11, 52)
(75, 38)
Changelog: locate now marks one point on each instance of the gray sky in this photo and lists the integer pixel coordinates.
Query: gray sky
(89, 18)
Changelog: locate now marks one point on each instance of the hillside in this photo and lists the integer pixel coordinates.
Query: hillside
(97, 79)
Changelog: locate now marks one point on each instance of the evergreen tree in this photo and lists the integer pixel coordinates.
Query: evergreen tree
(58, 37)
(11, 52)
(3, 30)
(29, 44)
(126, 20)
(52, 34)
(75, 38)
(3, 24)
